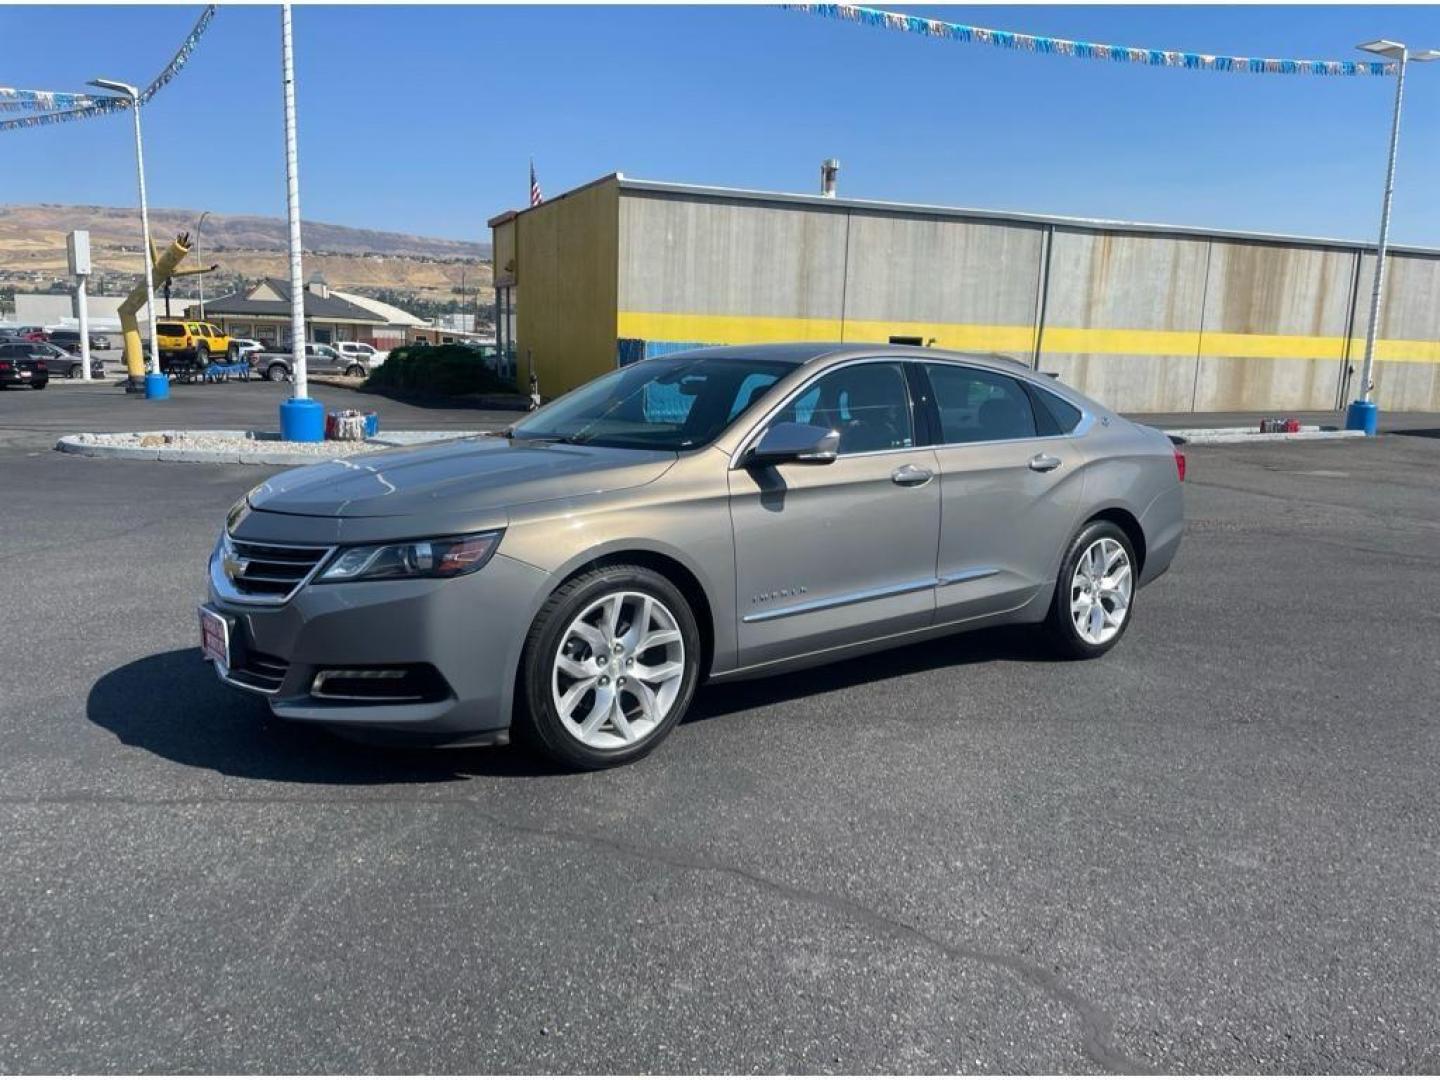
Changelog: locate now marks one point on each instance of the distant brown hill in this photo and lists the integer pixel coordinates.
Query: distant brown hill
(32, 248)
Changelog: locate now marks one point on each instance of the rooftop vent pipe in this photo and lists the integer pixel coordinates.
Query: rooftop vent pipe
(829, 170)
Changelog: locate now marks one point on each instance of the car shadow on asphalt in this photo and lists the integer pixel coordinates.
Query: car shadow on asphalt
(1016, 643)
(171, 705)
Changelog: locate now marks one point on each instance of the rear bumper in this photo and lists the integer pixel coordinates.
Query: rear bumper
(470, 630)
(1163, 524)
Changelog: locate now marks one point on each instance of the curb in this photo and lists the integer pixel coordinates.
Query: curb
(1230, 436)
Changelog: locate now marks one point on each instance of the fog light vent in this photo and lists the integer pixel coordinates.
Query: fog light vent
(405, 685)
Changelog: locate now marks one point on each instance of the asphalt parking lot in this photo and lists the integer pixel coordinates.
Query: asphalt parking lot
(1213, 850)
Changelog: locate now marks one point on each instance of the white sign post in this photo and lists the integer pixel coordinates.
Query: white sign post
(77, 249)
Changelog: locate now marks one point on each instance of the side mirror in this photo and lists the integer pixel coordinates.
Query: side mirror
(803, 443)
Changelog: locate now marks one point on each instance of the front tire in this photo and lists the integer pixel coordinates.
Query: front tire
(355, 371)
(276, 373)
(610, 666)
(76, 371)
(1094, 593)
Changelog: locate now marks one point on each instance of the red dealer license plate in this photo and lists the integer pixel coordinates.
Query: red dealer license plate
(215, 637)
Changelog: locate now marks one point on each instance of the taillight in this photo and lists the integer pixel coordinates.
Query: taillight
(4, 365)
(1180, 464)
(39, 365)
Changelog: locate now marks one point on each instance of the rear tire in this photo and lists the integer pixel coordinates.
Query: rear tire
(355, 371)
(275, 373)
(1094, 600)
(610, 666)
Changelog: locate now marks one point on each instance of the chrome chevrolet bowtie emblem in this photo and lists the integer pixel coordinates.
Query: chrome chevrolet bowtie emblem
(233, 565)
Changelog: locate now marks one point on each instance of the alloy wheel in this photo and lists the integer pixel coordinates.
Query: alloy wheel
(1100, 591)
(618, 669)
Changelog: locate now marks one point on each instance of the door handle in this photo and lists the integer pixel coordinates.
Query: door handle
(1044, 463)
(911, 476)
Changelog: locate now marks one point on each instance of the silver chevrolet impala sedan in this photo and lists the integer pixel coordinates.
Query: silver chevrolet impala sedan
(715, 514)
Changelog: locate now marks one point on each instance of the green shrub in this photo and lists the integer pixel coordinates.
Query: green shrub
(439, 369)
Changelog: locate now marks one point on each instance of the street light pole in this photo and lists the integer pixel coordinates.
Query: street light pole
(200, 262)
(156, 385)
(1364, 413)
(301, 419)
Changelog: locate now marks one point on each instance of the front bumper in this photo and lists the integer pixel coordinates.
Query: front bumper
(470, 630)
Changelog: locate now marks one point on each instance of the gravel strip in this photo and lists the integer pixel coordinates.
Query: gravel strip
(235, 447)
(1221, 436)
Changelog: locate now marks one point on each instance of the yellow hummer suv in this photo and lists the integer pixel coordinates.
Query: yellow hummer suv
(189, 345)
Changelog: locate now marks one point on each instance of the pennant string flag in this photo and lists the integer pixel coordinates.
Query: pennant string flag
(58, 108)
(12, 100)
(1085, 50)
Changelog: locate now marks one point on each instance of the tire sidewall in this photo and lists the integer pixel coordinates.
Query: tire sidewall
(275, 373)
(544, 725)
(1062, 626)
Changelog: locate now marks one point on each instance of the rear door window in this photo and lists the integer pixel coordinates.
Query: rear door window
(977, 405)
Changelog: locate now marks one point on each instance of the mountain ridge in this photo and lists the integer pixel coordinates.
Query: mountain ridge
(115, 226)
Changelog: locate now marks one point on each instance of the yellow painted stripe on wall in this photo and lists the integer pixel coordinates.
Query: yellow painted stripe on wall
(981, 337)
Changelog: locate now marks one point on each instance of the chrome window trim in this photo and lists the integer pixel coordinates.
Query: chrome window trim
(879, 593)
(225, 588)
(753, 435)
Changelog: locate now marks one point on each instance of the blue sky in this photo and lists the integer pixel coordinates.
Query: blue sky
(421, 119)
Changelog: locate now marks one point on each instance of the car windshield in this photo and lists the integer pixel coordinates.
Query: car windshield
(677, 403)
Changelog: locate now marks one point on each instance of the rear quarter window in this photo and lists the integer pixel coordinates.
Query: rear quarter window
(170, 329)
(1053, 414)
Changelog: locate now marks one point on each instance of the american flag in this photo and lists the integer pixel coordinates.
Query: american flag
(535, 197)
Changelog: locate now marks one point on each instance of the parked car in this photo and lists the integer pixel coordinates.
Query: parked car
(61, 362)
(244, 348)
(362, 353)
(186, 346)
(69, 340)
(721, 513)
(31, 333)
(320, 359)
(21, 364)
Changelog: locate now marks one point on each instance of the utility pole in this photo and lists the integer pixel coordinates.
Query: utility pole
(1364, 413)
(157, 386)
(301, 419)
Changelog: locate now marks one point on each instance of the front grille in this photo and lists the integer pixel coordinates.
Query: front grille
(260, 672)
(269, 571)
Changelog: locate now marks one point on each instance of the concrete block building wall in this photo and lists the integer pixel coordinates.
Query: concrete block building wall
(1143, 318)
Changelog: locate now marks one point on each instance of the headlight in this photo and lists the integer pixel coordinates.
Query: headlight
(452, 556)
(238, 512)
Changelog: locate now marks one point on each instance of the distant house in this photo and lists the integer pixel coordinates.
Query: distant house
(263, 313)
(395, 329)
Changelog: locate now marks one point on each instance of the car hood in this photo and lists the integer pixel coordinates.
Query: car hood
(464, 476)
